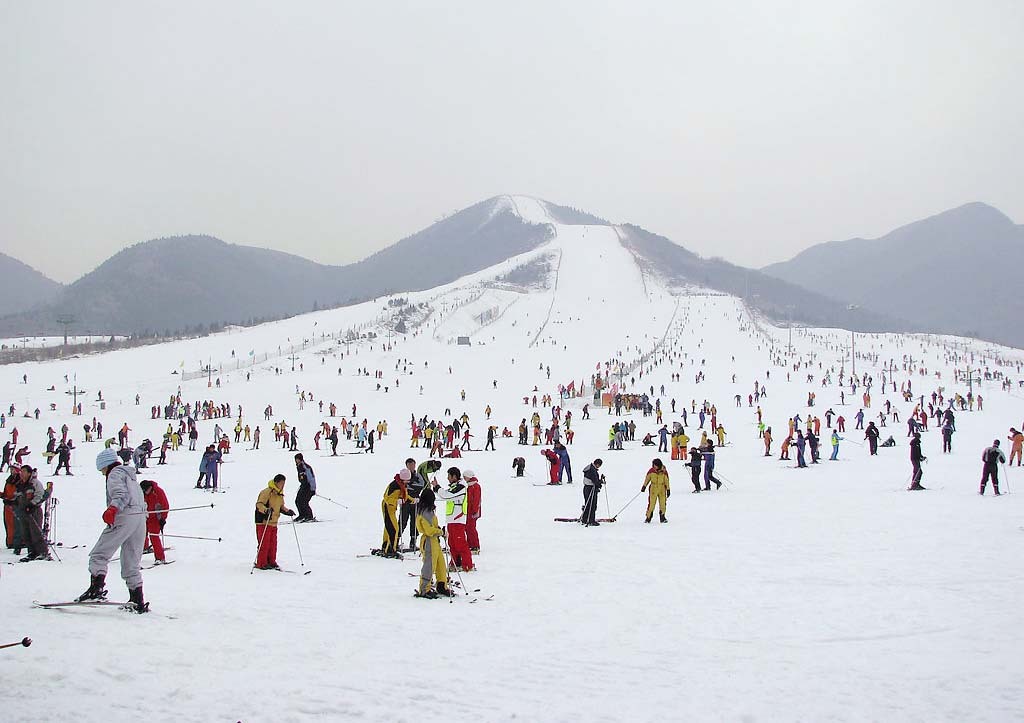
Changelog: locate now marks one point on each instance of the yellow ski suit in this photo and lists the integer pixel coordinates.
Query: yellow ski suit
(657, 481)
(430, 547)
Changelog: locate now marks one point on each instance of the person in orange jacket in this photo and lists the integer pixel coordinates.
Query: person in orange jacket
(473, 511)
(1017, 442)
(156, 504)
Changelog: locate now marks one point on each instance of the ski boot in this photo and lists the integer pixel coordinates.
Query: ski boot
(135, 601)
(662, 518)
(97, 590)
(444, 591)
(647, 519)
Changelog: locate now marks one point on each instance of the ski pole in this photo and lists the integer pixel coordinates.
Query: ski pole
(259, 545)
(1006, 477)
(193, 537)
(616, 515)
(23, 642)
(458, 574)
(296, 531)
(323, 497)
(607, 504)
(173, 509)
(49, 544)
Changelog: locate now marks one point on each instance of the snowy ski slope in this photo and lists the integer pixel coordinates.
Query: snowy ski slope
(827, 593)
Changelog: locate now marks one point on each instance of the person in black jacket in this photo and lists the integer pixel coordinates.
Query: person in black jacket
(414, 487)
(992, 456)
(593, 479)
(307, 490)
(871, 434)
(696, 460)
(915, 460)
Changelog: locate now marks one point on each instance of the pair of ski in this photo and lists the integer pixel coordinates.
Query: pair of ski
(121, 606)
(577, 519)
(376, 553)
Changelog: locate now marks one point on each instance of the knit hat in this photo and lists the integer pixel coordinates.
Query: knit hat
(404, 474)
(468, 474)
(105, 458)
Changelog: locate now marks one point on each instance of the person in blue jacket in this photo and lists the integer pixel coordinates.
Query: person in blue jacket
(565, 466)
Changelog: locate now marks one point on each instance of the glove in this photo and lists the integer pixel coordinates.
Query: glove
(289, 513)
(642, 489)
(313, 493)
(109, 514)
(668, 493)
(162, 523)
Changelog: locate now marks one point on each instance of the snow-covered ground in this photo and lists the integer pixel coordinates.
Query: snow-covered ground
(827, 593)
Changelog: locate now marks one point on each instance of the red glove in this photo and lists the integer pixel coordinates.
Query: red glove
(109, 514)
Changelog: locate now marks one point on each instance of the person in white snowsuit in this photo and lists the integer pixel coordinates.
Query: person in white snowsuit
(126, 530)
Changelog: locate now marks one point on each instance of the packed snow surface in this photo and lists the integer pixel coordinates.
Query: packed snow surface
(825, 593)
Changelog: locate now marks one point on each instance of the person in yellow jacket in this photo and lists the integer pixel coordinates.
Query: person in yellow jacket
(720, 433)
(430, 533)
(656, 482)
(395, 492)
(269, 508)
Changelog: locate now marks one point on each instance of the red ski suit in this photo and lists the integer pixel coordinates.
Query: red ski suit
(156, 500)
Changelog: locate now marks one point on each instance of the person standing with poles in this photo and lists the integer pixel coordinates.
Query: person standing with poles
(430, 532)
(474, 510)
(414, 487)
(307, 489)
(157, 505)
(31, 496)
(269, 508)
(991, 457)
(126, 530)
(592, 481)
(455, 518)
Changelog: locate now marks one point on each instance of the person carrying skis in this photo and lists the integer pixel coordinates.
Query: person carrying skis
(269, 508)
(991, 457)
(125, 517)
(31, 495)
(474, 510)
(916, 457)
(455, 512)
(430, 547)
(156, 504)
(307, 489)
(592, 482)
(657, 481)
(414, 487)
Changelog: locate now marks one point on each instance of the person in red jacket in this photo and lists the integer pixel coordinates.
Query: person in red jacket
(156, 504)
(555, 465)
(473, 509)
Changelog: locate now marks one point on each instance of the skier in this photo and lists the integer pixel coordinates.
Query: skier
(1017, 441)
(992, 456)
(414, 488)
(30, 498)
(307, 489)
(126, 529)
(156, 504)
(430, 546)
(660, 491)
(519, 465)
(835, 445)
(696, 460)
(64, 458)
(394, 493)
(593, 479)
(708, 453)
(564, 464)
(915, 460)
(800, 443)
(474, 510)
(269, 508)
(455, 513)
(871, 435)
(554, 465)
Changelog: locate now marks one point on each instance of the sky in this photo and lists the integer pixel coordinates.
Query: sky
(746, 130)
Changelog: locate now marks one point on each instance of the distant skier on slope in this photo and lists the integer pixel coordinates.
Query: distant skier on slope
(916, 457)
(991, 457)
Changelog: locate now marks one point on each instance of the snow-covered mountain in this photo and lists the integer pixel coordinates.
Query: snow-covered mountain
(23, 287)
(820, 593)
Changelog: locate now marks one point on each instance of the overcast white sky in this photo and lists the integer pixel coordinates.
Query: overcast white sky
(745, 129)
